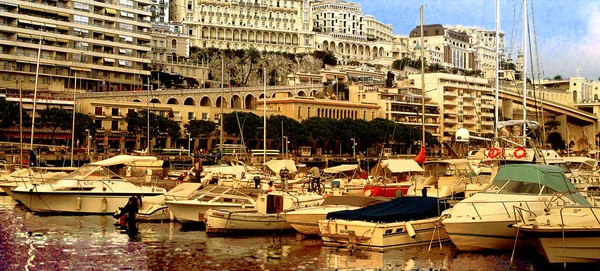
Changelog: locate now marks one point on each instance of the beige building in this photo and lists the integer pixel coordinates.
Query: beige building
(484, 44)
(301, 108)
(105, 44)
(274, 26)
(443, 46)
(464, 102)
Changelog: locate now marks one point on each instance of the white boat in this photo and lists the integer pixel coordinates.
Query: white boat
(447, 178)
(33, 175)
(394, 176)
(155, 209)
(193, 210)
(564, 234)
(404, 221)
(305, 220)
(483, 220)
(92, 189)
(266, 215)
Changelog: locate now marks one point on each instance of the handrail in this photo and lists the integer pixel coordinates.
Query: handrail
(504, 204)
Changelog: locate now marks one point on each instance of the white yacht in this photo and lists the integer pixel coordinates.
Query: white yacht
(447, 178)
(563, 234)
(92, 189)
(483, 221)
(155, 209)
(193, 210)
(267, 214)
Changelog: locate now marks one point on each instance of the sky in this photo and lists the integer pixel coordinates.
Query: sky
(567, 31)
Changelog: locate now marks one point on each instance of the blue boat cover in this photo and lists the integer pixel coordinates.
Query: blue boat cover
(399, 209)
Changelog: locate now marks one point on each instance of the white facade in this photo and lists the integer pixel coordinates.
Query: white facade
(484, 43)
(160, 11)
(376, 30)
(447, 47)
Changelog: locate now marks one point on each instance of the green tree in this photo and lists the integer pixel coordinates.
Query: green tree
(558, 77)
(137, 123)
(84, 122)
(389, 81)
(250, 125)
(253, 55)
(55, 118)
(556, 141)
(9, 114)
(200, 128)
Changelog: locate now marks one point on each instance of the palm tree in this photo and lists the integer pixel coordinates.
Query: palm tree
(253, 55)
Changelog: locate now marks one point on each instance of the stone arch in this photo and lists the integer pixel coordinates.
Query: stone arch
(381, 52)
(313, 93)
(259, 37)
(354, 50)
(301, 93)
(228, 34)
(221, 34)
(332, 46)
(236, 35)
(250, 102)
(252, 36)
(261, 96)
(347, 49)
(236, 102)
(273, 94)
(288, 39)
(244, 36)
(295, 40)
(340, 48)
(361, 50)
(375, 52)
(136, 101)
(172, 101)
(155, 101)
(205, 101)
(221, 102)
(205, 32)
(325, 45)
(280, 39)
(213, 33)
(189, 101)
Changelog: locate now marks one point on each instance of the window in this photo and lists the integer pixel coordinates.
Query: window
(98, 111)
(191, 116)
(174, 44)
(98, 124)
(205, 116)
(114, 125)
(574, 96)
(115, 111)
(189, 5)
(308, 113)
(299, 112)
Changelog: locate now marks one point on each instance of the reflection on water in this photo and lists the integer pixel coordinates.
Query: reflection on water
(43, 242)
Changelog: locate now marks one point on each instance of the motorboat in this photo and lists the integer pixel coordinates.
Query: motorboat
(342, 180)
(401, 222)
(155, 209)
(482, 221)
(193, 210)
(266, 216)
(305, 220)
(32, 175)
(447, 179)
(91, 189)
(567, 234)
(393, 177)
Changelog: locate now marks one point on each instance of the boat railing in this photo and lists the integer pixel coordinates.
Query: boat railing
(505, 204)
(522, 214)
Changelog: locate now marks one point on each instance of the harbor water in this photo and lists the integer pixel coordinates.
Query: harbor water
(30, 241)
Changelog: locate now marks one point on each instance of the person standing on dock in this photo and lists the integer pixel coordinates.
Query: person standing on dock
(315, 180)
(284, 173)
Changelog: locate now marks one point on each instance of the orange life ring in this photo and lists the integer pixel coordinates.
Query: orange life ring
(493, 153)
(520, 153)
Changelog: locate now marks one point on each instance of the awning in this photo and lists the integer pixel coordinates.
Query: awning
(37, 23)
(84, 44)
(109, 60)
(36, 37)
(49, 39)
(130, 15)
(62, 14)
(402, 165)
(122, 62)
(123, 14)
(340, 168)
(62, 27)
(21, 21)
(50, 25)
(62, 40)
(122, 51)
(110, 11)
(8, 4)
(109, 34)
(277, 165)
(23, 36)
(128, 38)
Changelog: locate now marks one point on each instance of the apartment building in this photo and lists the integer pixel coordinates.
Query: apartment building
(483, 42)
(342, 28)
(447, 47)
(464, 102)
(102, 43)
(160, 11)
(268, 25)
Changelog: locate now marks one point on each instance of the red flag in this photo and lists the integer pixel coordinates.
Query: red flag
(422, 156)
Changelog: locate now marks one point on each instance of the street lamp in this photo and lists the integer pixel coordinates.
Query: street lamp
(189, 144)
(353, 147)
(337, 91)
(284, 146)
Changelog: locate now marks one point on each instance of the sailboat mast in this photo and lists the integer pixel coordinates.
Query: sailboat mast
(73, 127)
(497, 66)
(222, 97)
(37, 74)
(524, 70)
(422, 81)
(148, 116)
(265, 117)
(21, 123)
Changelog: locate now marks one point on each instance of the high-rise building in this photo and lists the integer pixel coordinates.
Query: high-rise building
(104, 43)
(484, 44)
(160, 11)
(443, 46)
(268, 25)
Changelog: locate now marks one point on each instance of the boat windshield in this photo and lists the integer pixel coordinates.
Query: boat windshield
(90, 172)
(514, 187)
(564, 167)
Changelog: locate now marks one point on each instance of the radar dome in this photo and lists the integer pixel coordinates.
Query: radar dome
(462, 135)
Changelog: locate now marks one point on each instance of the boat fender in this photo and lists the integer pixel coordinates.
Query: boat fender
(410, 230)
(104, 204)
(78, 203)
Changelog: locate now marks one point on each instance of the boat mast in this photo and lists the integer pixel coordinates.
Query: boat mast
(37, 74)
(265, 117)
(21, 123)
(148, 116)
(524, 71)
(422, 82)
(73, 127)
(497, 66)
(222, 97)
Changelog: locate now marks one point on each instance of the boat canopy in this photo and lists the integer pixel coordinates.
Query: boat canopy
(125, 160)
(397, 210)
(277, 165)
(529, 123)
(340, 168)
(183, 190)
(550, 176)
(358, 201)
(402, 165)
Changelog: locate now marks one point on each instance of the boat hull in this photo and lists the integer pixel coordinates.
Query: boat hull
(482, 235)
(579, 245)
(195, 213)
(81, 203)
(380, 236)
(156, 214)
(220, 222)
(308, 223)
